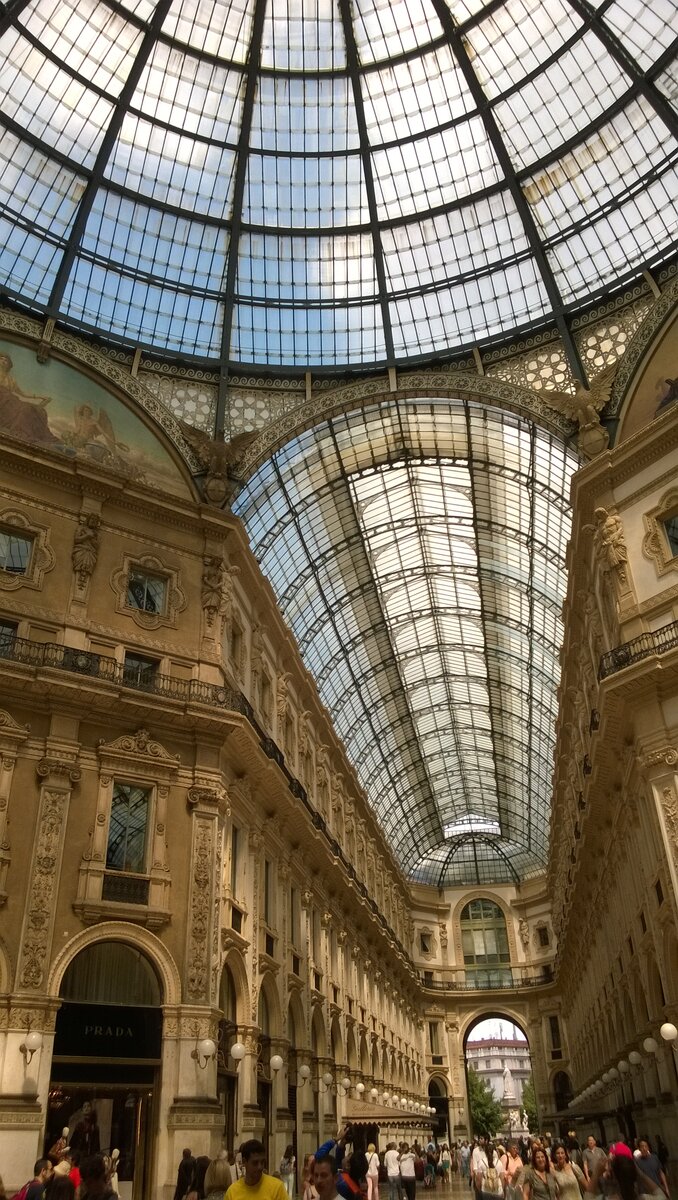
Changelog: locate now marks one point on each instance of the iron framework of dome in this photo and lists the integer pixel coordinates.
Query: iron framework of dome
(331, 184)
(417, 551)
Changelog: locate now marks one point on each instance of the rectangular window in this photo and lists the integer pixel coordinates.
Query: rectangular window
(270, 945)
(236, 919)
(659, 892)
(235, 647)
(8, 632)
(127, 828)
(146, 592)
(671, 529)
(425, 943)
(295, 918)
(543, 935)
(643, 923)
(267, 892)
(554, 1029)
(234, 860)
(139, 671)
(15, 552)
(296, 964)
(428, 978)
(433, 1037)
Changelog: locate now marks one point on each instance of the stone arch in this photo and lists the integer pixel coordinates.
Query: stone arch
(438, 1086)
(121, 931)
(318, 1034)
(445, 385)
(125, 388)
(336, 1041)
(351, 1050)
(505, 1013)
(364, 1055)
(376, 1062)
(296, 1025)
(236, 966)
(563, 1092)
(269, 992)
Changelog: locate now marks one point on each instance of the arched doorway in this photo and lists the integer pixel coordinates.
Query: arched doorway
(106, 1060)
(499, 1068)
(437, 1098)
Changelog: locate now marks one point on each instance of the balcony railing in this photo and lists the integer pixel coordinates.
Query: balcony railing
(506, 980)
(109, 670)
(658, 641)
(98, 666)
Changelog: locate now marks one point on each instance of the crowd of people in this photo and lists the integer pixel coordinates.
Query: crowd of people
(526, 1169)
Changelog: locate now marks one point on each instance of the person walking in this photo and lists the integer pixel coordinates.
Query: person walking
(372, 1172)
(288, 1165)
(407, 1171)
(392, 1164)
(255, 1183)
(184, 1174)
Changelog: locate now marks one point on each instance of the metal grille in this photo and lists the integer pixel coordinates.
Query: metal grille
(126, 889)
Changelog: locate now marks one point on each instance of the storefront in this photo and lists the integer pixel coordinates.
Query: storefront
(106, 1061)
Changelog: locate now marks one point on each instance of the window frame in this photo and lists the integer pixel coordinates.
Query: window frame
(148, 791)
(137, 575)
(13, 534)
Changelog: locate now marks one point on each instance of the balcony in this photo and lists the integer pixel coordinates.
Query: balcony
(509, 979)
(644, 646)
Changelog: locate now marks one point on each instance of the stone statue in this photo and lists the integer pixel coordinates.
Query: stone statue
(86, 546)
(585, 407)
(609, 543)
(509, 1090)
(216, 593)
(524, 931)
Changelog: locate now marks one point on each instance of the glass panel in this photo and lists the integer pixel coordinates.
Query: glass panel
(127, 828)
(15, 552)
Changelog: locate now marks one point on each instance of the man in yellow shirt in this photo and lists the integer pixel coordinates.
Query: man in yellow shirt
(254, 1183)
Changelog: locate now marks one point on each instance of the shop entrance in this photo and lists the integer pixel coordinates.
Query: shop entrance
(106, 1060)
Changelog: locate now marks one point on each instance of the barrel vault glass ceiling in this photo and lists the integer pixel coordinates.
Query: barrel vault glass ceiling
(417, 551)
(331, 184)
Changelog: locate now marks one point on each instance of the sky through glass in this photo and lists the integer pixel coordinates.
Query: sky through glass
(417, 551)
(331, 183)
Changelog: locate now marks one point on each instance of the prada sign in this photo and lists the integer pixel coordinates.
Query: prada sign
(108, 1031)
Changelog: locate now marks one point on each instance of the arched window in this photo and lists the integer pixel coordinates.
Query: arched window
(111, 973)
(484, 943)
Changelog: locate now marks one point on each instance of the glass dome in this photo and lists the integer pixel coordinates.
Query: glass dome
(331, 184)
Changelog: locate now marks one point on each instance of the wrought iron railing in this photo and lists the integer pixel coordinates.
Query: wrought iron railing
(508, 980)
(658, 641)
(126, 889)
(100, 666)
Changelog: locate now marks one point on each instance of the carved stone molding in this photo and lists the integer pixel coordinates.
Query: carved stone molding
(41, 558)
(666, 755)
(175, 596)
(656, 546)
(200, 909)
(139, 752)
(43, 875)
(56, 769)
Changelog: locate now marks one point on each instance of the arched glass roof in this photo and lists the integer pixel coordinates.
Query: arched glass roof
(417, 551)
(332, 183)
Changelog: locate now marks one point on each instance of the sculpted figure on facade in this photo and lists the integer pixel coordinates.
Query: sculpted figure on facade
(86, 547)
(609, 544)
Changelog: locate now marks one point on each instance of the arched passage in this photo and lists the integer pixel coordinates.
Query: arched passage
(497, 1061)
(437, 1098)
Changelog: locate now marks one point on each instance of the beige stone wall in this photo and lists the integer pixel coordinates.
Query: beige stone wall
(614, 840)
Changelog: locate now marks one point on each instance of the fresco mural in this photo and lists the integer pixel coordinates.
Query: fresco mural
(55, 406)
